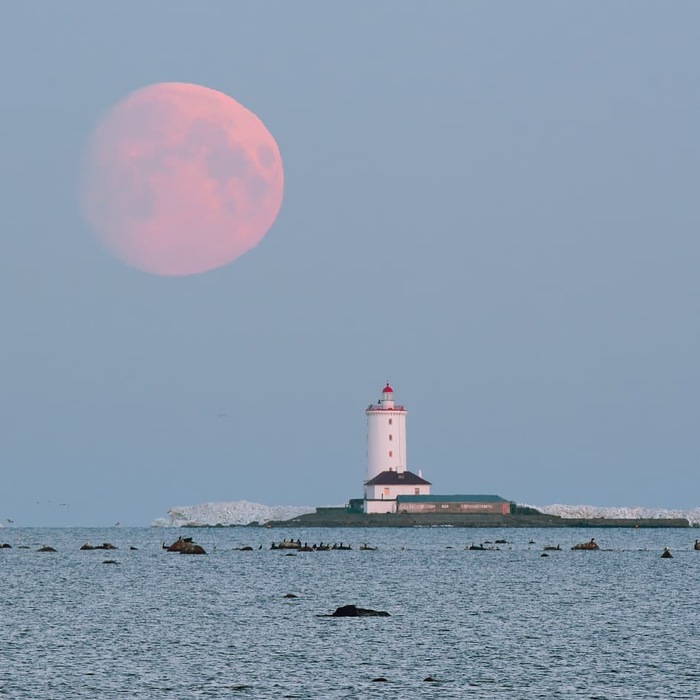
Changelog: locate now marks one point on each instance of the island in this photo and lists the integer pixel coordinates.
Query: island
(519, 517)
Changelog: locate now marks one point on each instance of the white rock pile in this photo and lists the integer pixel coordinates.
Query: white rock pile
(631, 512)
(229, 513)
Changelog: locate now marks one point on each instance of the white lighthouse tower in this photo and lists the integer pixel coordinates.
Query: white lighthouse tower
(386, 435)
(387, 476)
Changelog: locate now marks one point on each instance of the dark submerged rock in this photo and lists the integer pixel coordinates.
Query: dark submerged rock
(381, 679)
(46, 548)
(185, 545)
(193, 549)
(354, 611)
(290, 595)
(110, 561)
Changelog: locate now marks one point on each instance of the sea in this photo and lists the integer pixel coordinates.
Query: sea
(502, 622)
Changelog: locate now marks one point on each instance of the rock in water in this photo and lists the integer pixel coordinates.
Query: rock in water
(193, 549)
(354, 611)
(185, 545)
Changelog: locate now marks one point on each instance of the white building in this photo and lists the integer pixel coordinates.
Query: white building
(387, 476)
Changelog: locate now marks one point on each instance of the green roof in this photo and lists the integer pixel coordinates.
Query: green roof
(459, 498)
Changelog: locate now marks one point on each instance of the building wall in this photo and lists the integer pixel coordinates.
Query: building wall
(386, 441)
(455, 507)
(384, 492)
(384, 506)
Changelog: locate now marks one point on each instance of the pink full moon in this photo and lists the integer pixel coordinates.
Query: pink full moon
(180, 179)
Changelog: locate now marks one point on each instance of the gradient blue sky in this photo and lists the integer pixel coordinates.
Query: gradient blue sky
(491, 205)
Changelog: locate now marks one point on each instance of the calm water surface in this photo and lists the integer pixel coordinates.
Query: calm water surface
(617, 623)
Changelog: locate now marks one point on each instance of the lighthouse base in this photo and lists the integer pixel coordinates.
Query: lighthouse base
(376, 505)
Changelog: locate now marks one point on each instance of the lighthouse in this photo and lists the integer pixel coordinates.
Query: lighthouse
(386, 435)
(386, 476)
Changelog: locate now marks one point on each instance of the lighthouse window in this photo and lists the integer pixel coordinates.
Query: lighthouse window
(391, 437)
(391, 454)
(390, 423)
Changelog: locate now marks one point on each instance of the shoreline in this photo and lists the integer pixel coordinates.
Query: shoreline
(339, 517)
(469, 521)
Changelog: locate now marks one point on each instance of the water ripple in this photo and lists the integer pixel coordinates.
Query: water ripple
(609, 624)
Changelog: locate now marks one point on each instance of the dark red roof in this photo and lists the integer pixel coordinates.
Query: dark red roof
(387, 389)
(392, 478)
